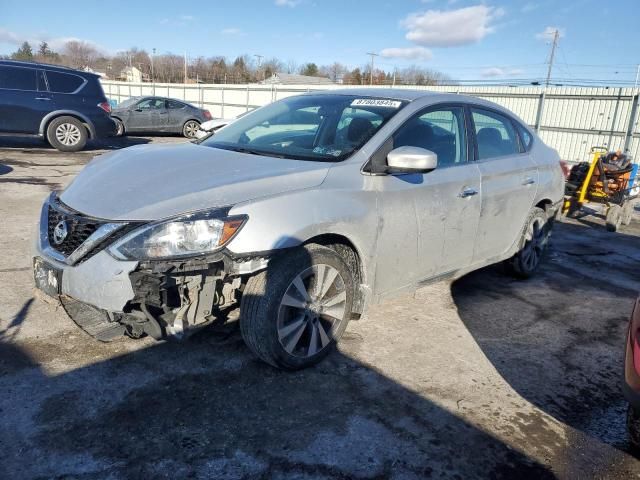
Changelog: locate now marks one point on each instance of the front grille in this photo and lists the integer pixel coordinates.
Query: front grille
(78, 230)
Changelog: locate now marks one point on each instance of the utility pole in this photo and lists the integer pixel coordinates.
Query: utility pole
(556, 35)
(635, 84)
(153, 81)
(260, 57)
(185, 67)
(373, 55)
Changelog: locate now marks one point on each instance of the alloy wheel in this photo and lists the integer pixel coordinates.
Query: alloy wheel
(311, 310)
(68, 134)
(535, 243)
(190, 129)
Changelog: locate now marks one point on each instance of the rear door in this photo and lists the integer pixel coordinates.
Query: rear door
(64, 88)
(24, 100)
(509, 182)
(177, 113)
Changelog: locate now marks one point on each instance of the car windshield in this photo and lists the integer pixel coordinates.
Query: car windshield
(308, 127)
(128, 101)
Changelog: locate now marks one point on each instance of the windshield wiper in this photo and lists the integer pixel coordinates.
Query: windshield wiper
(249, 151)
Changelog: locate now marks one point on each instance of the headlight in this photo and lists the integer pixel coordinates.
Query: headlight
(177, 238)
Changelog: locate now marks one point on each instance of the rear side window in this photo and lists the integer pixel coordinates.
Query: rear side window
(495, 134)
(174, 104)
(18, 78)
(525, 137)
(63, 82)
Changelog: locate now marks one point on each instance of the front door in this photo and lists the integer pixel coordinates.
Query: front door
(428, 221)
(509, 183)
(149, 114)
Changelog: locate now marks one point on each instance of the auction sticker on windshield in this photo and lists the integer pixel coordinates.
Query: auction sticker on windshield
(375, 102)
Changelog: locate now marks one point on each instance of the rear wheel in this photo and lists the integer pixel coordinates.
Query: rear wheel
(533, 244)
(614, 218)
(67, 134)
(190, 129)
(293, 314)
(627, 212)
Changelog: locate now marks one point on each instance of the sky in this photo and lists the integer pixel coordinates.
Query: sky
(465, 39)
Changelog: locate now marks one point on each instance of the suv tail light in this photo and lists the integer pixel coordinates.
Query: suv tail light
(106, 106)
(207, 114)
(566, 169)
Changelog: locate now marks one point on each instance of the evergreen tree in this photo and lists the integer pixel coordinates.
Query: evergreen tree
(23, 53)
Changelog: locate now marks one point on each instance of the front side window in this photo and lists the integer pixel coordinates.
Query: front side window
(495, 134)
(308, 127)
(151, 104)
(18, 78)
(439, 130)
(63, 82)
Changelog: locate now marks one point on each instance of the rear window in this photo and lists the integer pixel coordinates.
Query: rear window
(18, 78)
(63, 82)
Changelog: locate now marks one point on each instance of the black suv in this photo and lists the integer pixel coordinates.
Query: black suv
(63, 105)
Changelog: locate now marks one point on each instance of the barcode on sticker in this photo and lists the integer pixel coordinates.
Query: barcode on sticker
(375, 102)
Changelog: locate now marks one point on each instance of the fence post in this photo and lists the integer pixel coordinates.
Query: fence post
(540, 111)
(628, 137)
(247, 109)
(222, 109)
(614, 119)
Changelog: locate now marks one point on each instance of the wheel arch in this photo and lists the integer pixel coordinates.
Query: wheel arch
(44, 123)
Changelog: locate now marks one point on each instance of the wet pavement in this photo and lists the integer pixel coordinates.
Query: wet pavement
(486, 378)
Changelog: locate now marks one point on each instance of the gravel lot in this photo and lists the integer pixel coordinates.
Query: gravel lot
(485, 378)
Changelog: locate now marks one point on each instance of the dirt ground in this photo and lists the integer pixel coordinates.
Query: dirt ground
(486, 378)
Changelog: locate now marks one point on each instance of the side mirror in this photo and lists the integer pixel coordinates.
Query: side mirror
(411, 160)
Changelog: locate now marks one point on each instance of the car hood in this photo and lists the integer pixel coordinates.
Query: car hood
(151, 182)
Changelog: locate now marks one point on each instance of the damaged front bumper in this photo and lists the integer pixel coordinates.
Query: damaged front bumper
(108, 297)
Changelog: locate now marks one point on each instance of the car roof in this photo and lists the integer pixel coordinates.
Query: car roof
(47, 66)
(404, 94)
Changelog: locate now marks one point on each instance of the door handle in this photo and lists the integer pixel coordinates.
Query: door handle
(528, 181)
(164, 113)
(43, 99)
(467, 192)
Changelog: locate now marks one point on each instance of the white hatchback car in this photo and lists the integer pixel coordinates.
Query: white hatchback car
(304, 212)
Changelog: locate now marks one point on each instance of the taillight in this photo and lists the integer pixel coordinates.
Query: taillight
(566, 169)
(207, 114)
(105, 106)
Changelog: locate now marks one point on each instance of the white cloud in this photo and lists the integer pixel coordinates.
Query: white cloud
(187, 18)
(494, 72)
(288, 3)
(231, 31)
(55, 43)
(408, 53)
(450, 28)
(547, 33)
(529, 7)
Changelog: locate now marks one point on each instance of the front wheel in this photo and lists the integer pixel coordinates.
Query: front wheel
(293, 313)
(190, 129)
(533, 244)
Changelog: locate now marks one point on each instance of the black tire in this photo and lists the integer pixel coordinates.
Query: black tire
(67, 134)
(633, 427)
(627, 212)
(614, 218)
(190, 128)
(532, 246)
(261, 308)
(119, 127)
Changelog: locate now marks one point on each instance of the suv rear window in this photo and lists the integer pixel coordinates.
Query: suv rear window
(18, 78)
(63, 82)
